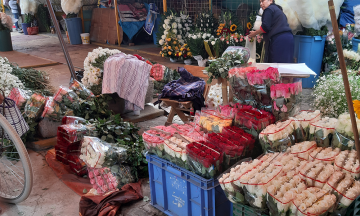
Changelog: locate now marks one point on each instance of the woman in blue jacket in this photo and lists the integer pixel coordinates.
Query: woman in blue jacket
(278, 37)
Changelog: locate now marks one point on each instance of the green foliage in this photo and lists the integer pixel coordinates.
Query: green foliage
(28, 18)
(93, 109)
(197, 46)
(71, 15)
(220, 67)
(43, 17)
(207, 23)
(312, 32)
(115, 130)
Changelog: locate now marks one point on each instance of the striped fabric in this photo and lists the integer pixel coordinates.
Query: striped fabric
(127, 76)
(14, 117)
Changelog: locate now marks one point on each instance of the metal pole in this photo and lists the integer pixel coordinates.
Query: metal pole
(344, 75)
(61, 39)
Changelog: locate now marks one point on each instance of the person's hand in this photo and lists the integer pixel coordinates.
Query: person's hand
(252, 34)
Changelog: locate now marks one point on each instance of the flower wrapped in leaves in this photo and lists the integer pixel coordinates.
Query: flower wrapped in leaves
(204, 159)
(277, 137)
(323, 131)
(35, 106)
(302, 123)
(97, 153)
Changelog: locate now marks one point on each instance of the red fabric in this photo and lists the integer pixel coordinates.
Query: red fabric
(262, 29)
(110, 204)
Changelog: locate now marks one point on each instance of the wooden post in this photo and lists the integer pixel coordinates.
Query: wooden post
(344, 75)
(224, 91)
(2, 5)
(117, 22)
(164, 6)
(82, 19)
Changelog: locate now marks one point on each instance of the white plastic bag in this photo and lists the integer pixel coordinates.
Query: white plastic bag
(252, 47)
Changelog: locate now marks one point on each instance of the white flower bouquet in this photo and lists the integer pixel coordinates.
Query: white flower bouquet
(303, 150)
(282, 192)
(302, 121)
(7, 80)
(313, 201)
(344, 135)
(323, 131)
(348, 163)
(71, 7)
(214, 98)
(97, 153)
(326, 155)
(277, 137)
(175, 150)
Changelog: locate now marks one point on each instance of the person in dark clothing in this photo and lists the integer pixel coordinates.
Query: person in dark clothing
(278, 37)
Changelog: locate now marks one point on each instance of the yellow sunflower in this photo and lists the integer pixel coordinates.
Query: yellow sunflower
(233, 27)
(357, 108)
(248, 25)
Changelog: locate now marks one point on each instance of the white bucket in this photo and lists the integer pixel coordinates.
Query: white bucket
(85, 37)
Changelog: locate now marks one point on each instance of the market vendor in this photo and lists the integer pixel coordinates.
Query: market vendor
(278, 37)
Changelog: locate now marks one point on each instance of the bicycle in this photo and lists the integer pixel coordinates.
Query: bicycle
(16, 176)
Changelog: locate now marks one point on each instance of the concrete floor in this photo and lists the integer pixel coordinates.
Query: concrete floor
(50, 197)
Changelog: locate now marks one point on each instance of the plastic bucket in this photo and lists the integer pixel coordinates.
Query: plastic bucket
(5, 41)
(74, 28)
(309, 50)
(355, 44)
(25, 26)
(85, 37)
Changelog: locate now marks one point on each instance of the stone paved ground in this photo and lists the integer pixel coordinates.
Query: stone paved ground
(307, 99)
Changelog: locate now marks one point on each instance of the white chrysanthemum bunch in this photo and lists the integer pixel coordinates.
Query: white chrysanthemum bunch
(71, 6)
(351, 55)
(214, 98)
(6, 21)
(329, 94)
(7, 80)
(178, 25)
(92, 74)
(28, 6)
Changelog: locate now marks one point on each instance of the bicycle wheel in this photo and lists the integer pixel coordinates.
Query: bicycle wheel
(16, 176)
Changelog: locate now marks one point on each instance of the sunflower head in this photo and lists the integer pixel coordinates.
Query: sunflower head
(248, 25)
(357, 108)
(233, 28)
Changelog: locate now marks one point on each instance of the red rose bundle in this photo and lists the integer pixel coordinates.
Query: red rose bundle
(240, 136)
(252, 118)
(72, 133)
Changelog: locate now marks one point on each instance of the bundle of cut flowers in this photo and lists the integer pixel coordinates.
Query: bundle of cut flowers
(154, 141)
(344, 135)
(316, 173)
(71, 7)
(348, 163)
(241, 136)
(175, 150)
(161, 128)
(34, 106)
(8, 81)
(214, 98)
(313, 201)
(97, 153)
(282, 192)
(67, 97)
(20, 96)
(302, 123)
(204, 159)
(277, 137)
(284, 98)
(345, 188)
(72, 120)
(227, 111)
(107, 179)
(5, 22)
(323, 131)
(233, 149)
(77, 165)
(253, 120)
(183, 128)
(239, 83)
(303, 150)
(71, 133)
(81, 90)
(263, 77)
(326, 155)
(211, 121)
(55, 111)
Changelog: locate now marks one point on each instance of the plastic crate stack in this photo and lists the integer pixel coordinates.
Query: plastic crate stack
(67, 148)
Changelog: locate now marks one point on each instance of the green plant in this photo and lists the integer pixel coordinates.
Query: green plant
(71, 15)
(115, 130)
(196, 44)
(28, 18)
(206, 22)
(43, 16)
(312, 32)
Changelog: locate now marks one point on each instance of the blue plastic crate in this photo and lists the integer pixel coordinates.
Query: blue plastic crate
(177, 191)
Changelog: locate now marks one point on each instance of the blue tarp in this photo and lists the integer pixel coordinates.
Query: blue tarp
(347, 12)
(131, 28)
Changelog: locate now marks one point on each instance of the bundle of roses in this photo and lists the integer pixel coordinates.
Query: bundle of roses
(326, 155)
(313, 201)
(97, 153)
(20, 96)
(253, 120)
(302, 150)
(344, 135)
(316, 174)
(241, 136)
(323, 131)
(34, 106)
(55, 111)
(81, 90)
(72, 120)
(211, 121)
(71, 133)
(227, 111)
(154, 140)
(76, 165)
(277, 137)
(302, 121)
(233, 149)
(284, 99)
(67, 97)
(348, 163)
(175, 150)
(204, 159)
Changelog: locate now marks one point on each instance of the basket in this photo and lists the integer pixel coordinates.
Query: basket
(33, 30)
(244, 210)
(12, 113)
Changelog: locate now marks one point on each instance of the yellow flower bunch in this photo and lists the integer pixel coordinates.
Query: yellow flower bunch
(185, 52)
(171, 47)
(220, 28)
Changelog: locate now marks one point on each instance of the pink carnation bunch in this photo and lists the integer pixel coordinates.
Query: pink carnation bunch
(285, 90)
(102, 179)
(258, 77)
